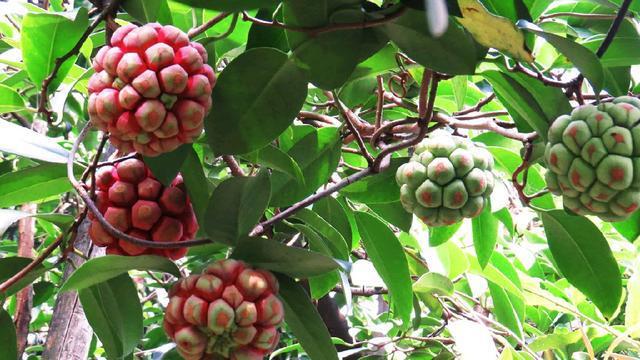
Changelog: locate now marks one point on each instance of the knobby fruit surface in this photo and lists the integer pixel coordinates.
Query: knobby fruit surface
(593, 159)
(230, 311)
(448, 178)
(132, 200)
(151, 89)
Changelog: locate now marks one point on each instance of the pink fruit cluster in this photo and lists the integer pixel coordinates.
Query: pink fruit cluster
(151, 89)
(230, 311)
(134, 202)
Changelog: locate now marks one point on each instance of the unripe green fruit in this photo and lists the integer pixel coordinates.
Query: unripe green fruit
(231, 311)
(592, 159)
(151, 89)
(134, 202)
(447, 179)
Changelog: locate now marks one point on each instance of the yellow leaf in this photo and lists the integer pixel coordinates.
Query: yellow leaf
(493, 31)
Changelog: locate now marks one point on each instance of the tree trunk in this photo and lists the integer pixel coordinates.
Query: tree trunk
(69, 333)
(24, 297)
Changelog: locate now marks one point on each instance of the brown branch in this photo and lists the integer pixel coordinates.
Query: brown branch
(260, 228)
(488, 114)
(21, 119)
(363, 291)
(233, 165)
(207, 25)
(579, 15)
(477, 106)
(349, 120)
(42, 105)
(24, 298)
(328, 28)
(539, 76)
(379, 102)
(485, 124)
(320, 117)
(105, 224)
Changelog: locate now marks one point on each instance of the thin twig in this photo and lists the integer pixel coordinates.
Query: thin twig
(259, 229)
(488, 114)
(207, 25)
(477, 106)
(578, 15)
(379, 102)
(233, 165)
(350, 122)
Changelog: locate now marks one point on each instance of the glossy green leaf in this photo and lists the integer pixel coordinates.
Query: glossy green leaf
(277, 159)
(330, 209)
(433, 283)
(46, 37)
(485, 235)
(388, 258)
(8, 337)
(441, 234)
(305, 322)
(322, 55)
(394, 214)
(629, 228)
(145, 11)
(257, 96)
(166, 166)
(230, 5)
(114, 312)
(10, 100)
(102, 269)
(584, 258)
(236, 206)
(623, 51)
(584, 60)
(455, 52)
(10, 266)
(15, 139)
(32, 184)
(617, 80)
(379, 188)
(272, 255)
(317, 154)
(196, 183)
(336, 242)
(493, 274)
(264, 36)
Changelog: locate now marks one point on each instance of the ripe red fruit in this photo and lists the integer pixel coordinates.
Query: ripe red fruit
(133, 201)
(230, 311)
(151, 89)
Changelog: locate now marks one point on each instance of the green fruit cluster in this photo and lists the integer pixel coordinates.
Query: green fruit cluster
(447, 179)
(593, 157)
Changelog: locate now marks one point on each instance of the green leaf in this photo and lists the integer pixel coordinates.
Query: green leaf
(460, 85)
(387, 256)
(485, 235)
(617, 80)
(493, 31)
(272, 255)
(317, 154)
(509, 309)
(623, 51)
(257, 96)
(196, 183)
(453, 259)
(584, 59)
(323, 56)
(8, 337)
(584, 258)
(433, 283)
(10, 266)
(330, 209)
(277, 159)
(394, 214)
(46, 37)
(102, 269)
(455, 52)
(236, 206)
(555, 341)
(629, 228)
(305, 322)
(493, 274)
(265, 36)
(165, 167)
(230, 5)
(145, 11)
(320, 285)
(441, 234)
(504, 216)
(114, 312)
(336, 242)
(10, 100)
(379, 188)
(19, 140)
(34, 183)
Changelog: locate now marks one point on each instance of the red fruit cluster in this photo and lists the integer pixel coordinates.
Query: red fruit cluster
(151, 89)
(230, 311)
(134, 202)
